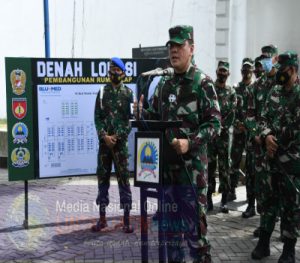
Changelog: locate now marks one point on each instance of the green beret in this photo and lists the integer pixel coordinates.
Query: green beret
(179, 34)
(223, 64)
(288, 58)
(269, 51)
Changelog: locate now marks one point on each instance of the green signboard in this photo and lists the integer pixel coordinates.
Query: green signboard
(20, 119)
(50, 114)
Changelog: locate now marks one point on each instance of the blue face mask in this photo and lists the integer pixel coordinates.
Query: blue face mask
(267, 64)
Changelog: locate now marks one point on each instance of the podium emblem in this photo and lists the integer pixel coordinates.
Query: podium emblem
(147, 160)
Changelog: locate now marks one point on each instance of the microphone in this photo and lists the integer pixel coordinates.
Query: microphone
(159, 72)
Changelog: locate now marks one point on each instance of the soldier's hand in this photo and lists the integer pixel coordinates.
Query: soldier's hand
(181, 146)
(257, 140)
(110, 141)
(271, 145)
(241, 127)
(140, 104)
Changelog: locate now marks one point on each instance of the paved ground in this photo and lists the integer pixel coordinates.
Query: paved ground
(61, 212)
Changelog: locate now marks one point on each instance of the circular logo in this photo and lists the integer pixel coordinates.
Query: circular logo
(172, 98)
(148, 161)
(20, 133)
(26, 239)
(20, 157)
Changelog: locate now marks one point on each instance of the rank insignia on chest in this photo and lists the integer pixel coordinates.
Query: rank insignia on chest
(172, 98)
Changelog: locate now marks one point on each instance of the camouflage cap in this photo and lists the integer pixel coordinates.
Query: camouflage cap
(117, 62)
(288, 58)
(223, 64)
(248, 61)
(179, 34)
(269, 51)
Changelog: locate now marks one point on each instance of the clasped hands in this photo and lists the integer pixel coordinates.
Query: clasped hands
(110, 140)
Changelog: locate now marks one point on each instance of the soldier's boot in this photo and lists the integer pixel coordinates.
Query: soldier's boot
(210, 204)
(262, 248)
(127, 228)
(250, 210)
(231, 195)
(223, 207)
(102, 223)
(288, 253)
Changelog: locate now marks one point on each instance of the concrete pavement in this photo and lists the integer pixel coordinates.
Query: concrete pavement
(61, 212)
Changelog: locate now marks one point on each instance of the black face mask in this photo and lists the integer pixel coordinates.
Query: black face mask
(258, 73)
(246, 74)
(282, 78)
(222, 78)
(115, 77)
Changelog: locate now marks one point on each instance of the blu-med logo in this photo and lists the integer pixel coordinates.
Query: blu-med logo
(49, 89)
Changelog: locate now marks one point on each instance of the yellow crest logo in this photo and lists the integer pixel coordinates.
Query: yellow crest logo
(20, 157)
(18, 81)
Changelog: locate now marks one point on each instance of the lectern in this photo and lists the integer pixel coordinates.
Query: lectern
(148, 175)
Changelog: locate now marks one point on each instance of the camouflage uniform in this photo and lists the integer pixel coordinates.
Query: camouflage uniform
(239, 137)
(219, 146)
(112, 114)
(189, 97)
(256, 102)
(281, 118)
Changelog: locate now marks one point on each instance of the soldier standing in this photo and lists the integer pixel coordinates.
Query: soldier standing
(256, 102)
(239, 129)
(219, 146)
(189, 96)
(280, 135)
(112, 114)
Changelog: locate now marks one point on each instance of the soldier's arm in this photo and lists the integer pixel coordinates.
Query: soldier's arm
(265, 124)
(239, 105)
(230, 116)
(290, 129)
(124, 128)
(99, 117)
(250, 113)
(209, 115)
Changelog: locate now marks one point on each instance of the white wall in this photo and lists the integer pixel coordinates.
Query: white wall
(102, 28)
(237, 38)
(273, 22)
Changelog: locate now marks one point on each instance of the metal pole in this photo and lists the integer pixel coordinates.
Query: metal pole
(161, 225)
(25, 223)
(47, 29)
(144, 225)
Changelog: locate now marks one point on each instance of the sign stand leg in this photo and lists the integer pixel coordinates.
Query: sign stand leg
(161, 226)
(144, 226)
(25, 223)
